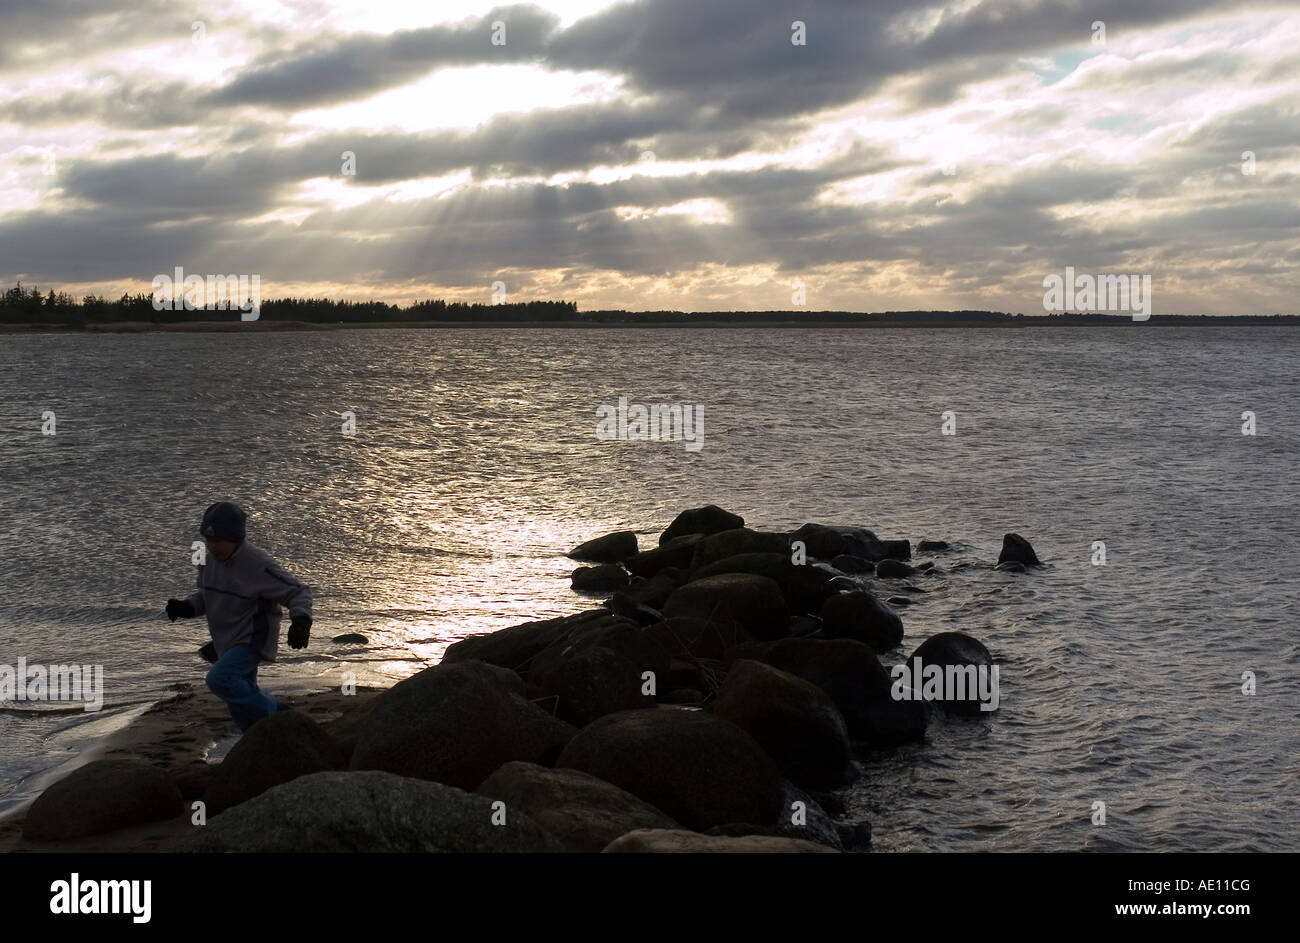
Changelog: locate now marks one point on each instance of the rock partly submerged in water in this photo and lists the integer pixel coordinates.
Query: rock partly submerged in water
(350, 638)
(969, 657)
(1015, 549)
(612, 548)
(605, 578)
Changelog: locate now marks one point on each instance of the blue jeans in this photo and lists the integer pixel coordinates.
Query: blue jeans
(234, 679)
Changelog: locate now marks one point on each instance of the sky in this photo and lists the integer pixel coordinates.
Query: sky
(864, 155)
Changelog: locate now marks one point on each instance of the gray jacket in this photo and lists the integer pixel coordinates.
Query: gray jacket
(242, 597)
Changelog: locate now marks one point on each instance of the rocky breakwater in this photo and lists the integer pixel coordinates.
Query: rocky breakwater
(729, 683)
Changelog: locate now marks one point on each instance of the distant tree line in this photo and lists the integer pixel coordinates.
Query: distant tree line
(21, 305)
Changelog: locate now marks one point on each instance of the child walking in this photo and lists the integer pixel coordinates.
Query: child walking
(241, 590)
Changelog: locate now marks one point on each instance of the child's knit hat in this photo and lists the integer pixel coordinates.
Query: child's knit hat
(224, 520)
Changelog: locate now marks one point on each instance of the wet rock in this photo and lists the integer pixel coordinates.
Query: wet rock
(739, 601)
(933, 546)
(1016, 549)
(899, 601)
(851, 674)
(861, 616)
(102, 796)
(698, 769)
(591, 682)
(676, 553)
(621, 606)
(730, 543)
(709, 519)
(804, 587)
(966, 655)
(605, 578)
(367, 812)
(612, 548)
(583, 812)
(853, 566)
(793, 720)
(894, 569)
(350, 638)
(1011, 566)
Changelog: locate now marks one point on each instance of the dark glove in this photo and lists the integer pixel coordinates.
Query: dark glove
(180, 608)
(299, 631)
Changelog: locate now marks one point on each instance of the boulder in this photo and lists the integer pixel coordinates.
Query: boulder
(676, 553)
(1016, 549)
(696, 638)
(654, 592)
(625, 608)
(605, 578)
(709, 519)
(102, 796)
(851, 674)
(583, 812)
(729, 543)
(829, 541)
(805, 588)
(368, 812)
(516, 646)
(454, 724)
(739, 601)
(853, 566)
(350, 638)
(698, 769)
(1011, 566)
(961, 656)
(861, 616)
(345, 728)
(894, 569)
(278, 748)
(933, 546)
(804, 816)
(590, 682)
(612, 548)
(795, 721)
(682, 842)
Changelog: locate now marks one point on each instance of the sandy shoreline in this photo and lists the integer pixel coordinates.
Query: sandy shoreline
(176, 734)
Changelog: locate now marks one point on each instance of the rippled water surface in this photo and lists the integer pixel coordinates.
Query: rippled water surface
(475, 466)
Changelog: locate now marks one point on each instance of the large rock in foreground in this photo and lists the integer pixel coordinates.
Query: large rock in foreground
(102, 796)
(681, 842)
(277, 749)
(583, 812)
(455, 724)
(612, 548)
(795, 721)
(741, 601)
(367, 812)
(696, 768)
(709, 519)
(861, 616)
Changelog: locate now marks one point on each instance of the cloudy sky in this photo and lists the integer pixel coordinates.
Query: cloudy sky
(689, 154)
